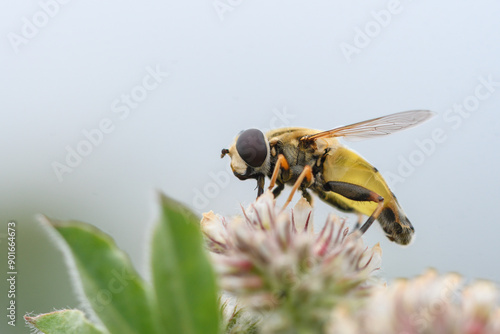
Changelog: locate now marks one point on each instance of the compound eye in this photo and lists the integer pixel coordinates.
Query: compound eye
(252, 148)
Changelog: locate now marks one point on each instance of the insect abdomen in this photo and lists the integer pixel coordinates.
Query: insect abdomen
(396, 225)
(345, 165)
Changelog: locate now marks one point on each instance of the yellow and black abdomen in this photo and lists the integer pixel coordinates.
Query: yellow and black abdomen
(344, 165)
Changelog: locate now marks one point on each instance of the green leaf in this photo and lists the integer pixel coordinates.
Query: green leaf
(113, 288)
(63, 322)
(182, 274)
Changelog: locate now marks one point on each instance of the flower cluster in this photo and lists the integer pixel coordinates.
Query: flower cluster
(287, 279)
(276, 266)
(425, 305)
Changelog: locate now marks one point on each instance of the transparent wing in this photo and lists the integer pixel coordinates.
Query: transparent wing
(376, 127)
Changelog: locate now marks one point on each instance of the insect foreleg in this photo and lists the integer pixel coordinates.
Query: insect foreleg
(357, 193)
(260, 185)
(277, 191)
(280, 163)
(305, 174)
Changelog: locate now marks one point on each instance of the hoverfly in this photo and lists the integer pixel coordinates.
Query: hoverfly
(317, 161)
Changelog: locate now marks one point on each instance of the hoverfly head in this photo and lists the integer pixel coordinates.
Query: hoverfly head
(249, 154)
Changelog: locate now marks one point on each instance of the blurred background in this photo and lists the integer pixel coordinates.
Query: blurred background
(104, 103)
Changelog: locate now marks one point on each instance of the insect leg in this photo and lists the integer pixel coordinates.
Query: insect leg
(357, 193)
(358, 223)
(281, 162)
(277, 191)
(307, 196)
(260, 185)
(305, 174)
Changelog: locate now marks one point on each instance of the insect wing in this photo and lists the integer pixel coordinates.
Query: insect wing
(376, 127)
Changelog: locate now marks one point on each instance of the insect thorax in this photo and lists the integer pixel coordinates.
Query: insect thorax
(297, 153)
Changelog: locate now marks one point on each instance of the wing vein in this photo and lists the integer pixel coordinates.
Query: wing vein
(376, 127)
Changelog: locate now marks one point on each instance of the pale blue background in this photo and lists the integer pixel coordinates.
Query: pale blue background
(231, 74)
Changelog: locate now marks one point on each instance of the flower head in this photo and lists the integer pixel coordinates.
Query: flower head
(427, 304)
(273, 261)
